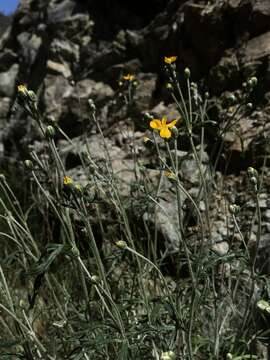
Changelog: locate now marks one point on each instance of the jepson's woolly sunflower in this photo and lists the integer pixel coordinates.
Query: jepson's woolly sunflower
(170, 59)
(163, 127)
(67, 181)
(129, 77)
(22, 89)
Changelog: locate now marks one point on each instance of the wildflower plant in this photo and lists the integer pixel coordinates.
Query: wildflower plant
(94, 285)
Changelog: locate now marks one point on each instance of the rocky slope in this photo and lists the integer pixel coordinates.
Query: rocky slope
(68, 51)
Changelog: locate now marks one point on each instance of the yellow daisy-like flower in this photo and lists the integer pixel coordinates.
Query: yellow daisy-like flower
(163, 127)
(22, 89)
(129, 77)
(67, 180)
(170, 59)
(170, 175)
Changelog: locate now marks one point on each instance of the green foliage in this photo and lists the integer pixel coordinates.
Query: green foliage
(93, 284)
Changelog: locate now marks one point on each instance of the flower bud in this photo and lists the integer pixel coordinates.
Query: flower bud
(175, 131)
(234, 209)
(121, 244)
(231, 99)
(29, 164)
(32, 96)
(147, 117)
(252, 172)
(75, 251)
(187, 73)
(79, 190)
(50, 132)
(169, 87)
(254, 81)
(229, 356)
(249, 106)
(92, 106)
(95, 279)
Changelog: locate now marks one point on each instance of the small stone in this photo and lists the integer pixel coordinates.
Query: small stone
(58, 68)
(221, 248)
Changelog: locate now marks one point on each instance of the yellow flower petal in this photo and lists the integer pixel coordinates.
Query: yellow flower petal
(172, 124)
(67, 180)
(129, 77)
(170, 59)
(164, 121)
(156, 124)
(165, 133)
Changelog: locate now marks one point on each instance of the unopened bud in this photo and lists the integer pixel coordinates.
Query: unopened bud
(169, 87)
(32, 96)
(249, 106)
(92, 106)
(50, 132)
(252, 172)
(29, 164)
(187, 73)
(95, 279)
(234, 209)
(147, 117)
(175, 131)
(254, 81)
(75, 251)
(121, 244)
(231, 99)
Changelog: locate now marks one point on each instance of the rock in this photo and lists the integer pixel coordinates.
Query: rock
(97, 91)
(260, 18)
(166, 222)
(8, 80)
(62, 69)
(225, 75)
(4, 107)
(7, 59)
(4, 23)
(56, 87)
(205, 29)
(221, 248)
(60, 12)
(29, 46)
(144, 92)
(63, 49)
(75, 112)
(255, 54)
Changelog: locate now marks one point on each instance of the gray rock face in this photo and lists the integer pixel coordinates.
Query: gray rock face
(60, 12)
(56, 87)
(8, 80)
(68, 51)
(29, 46)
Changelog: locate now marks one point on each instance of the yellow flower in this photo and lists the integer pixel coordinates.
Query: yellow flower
(170, 175)
(129, 77)
(22, 89)
(67, 181)
(163, 127)
(170, 59)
